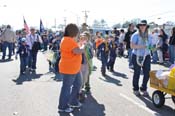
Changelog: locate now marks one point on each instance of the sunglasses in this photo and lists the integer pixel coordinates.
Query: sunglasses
(142, 25)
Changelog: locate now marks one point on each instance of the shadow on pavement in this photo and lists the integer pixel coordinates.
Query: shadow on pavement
(26, 77)
(111, 80)
(163, 111)
(166, 64)
(90, 108)
(118, 74)
(6, 60)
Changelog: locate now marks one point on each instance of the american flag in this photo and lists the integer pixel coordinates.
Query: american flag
(26, 26)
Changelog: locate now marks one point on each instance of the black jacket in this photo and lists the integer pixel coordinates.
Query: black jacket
(172, 40)
(128, 38)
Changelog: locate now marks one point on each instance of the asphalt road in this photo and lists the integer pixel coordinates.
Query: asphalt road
(38, 94)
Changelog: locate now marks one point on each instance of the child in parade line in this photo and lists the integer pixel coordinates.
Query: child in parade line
(69, 68)
(23, 52)
(98, 41)
(104, 51)
(112, 54)
(56, 49)
(86, 66)
(140, 42)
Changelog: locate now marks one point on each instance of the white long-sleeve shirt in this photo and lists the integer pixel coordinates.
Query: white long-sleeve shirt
(30, 39)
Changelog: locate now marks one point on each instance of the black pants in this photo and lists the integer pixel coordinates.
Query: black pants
(137, 69)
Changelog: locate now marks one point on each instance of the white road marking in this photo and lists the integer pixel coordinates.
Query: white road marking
(139, 105)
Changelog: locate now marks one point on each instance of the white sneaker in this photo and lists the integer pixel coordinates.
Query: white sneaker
(137, 93)
(67, 110)
(76, 106)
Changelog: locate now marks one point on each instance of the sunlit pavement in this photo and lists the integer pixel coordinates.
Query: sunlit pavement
(37, 94)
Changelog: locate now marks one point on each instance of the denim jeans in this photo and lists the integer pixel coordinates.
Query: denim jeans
(155, 56)
(32, 60)
(111, 63)
(70, 90)
(104, 60)
(172, 53)
(23, 63)
(4, 47)
(130, 57)
(137, 69)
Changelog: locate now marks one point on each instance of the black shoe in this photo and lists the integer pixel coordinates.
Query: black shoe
(82, 97)
(22, 73)
(103, 73)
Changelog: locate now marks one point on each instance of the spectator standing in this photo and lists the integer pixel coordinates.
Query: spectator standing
(172, 46)
(8, 38)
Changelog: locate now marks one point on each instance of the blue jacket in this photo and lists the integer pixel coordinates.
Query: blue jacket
(23, 50)
(104, 49)
(112, 49)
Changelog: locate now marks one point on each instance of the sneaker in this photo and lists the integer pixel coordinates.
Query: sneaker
(76, 106)
(145, 93)
(131, 67)
(33, 70)
(22, 73)
(67, 110)
(137, 93)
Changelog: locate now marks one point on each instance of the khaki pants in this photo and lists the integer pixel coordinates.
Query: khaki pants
(84, 74)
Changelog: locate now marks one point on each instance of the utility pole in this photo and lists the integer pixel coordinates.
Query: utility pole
(86, 15)
(55, 24)
(65, 20)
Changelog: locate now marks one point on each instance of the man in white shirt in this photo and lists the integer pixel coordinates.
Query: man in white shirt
(121, 46)
(34, 41)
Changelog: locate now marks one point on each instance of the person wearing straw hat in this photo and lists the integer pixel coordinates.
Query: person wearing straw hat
(141, 43)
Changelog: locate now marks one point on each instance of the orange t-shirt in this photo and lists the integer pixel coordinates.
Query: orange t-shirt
(70, 63)
(98, 42)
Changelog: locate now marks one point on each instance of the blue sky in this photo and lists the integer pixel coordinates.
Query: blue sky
(113, 11)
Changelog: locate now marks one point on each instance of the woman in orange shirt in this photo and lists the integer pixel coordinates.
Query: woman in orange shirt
(69, 68)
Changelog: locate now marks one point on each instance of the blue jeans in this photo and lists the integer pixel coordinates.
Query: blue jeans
(104, 60)
(172, 53)
(130, 57)
(4, 47)
(23, 63)
(155, 57)
(70, 90)
(111, 62)
(32, 60)
(146, 69)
